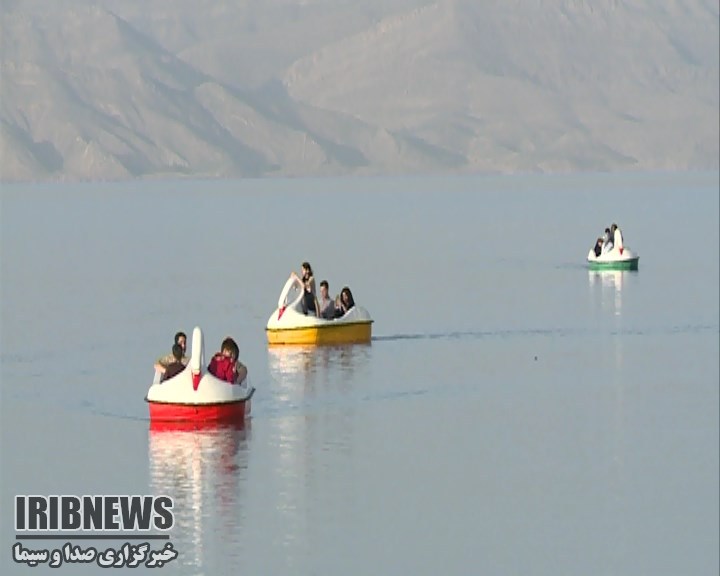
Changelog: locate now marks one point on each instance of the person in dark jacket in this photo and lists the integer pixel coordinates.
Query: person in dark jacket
(309, 301)
(598, 247)
(161, 363)
(177, 365)
(346, 303)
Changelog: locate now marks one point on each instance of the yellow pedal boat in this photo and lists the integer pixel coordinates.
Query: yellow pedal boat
(289, 325)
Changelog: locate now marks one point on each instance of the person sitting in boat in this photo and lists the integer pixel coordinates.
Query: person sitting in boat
(607, 241)
(598, 247)
(346, 302)
(326, 305)
(225, 364)
(337, 308)
(176, 366)
(309, 301)
(163, 362)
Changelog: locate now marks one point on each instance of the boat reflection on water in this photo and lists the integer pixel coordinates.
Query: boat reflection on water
(310, 366)
(314, 431)
(202, 466)
(608, 284)
(611, 285)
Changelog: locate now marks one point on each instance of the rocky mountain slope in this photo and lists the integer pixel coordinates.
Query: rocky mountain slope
(120, 89)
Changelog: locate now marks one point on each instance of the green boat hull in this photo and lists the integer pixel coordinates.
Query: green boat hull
(620, 265)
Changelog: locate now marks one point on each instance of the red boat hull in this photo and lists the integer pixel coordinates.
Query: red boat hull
(225, 412)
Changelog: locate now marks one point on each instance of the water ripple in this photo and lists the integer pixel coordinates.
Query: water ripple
(559, 332)
(470, 335)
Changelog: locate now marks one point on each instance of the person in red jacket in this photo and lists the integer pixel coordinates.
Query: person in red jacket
(225, 364)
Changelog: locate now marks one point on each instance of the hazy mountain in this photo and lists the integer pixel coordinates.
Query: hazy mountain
(120, 89)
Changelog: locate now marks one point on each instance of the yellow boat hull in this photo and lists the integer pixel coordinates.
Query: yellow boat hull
(324, 335)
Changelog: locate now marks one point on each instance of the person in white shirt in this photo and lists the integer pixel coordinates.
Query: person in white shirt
(607, 241)
(326, 305)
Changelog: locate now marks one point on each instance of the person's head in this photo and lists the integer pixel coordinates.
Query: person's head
(613, 227)
(181, 339)
(599, 240)
(347, 297)
(177, 352)
(607, 230)
(229, 348)
(324, 289)
(306, 269)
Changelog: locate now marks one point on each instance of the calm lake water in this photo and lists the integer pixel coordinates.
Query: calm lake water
(514, 413)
